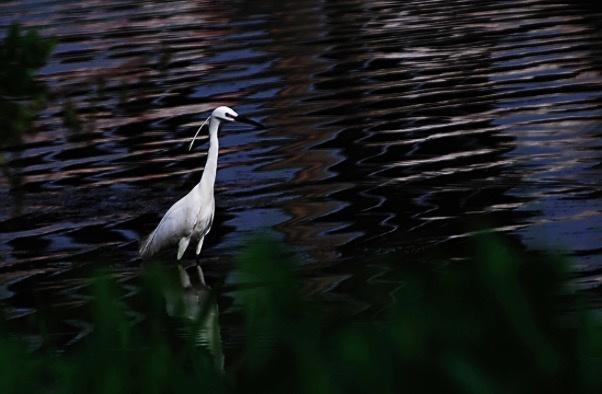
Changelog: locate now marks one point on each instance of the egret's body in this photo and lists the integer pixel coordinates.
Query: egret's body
(190, 218)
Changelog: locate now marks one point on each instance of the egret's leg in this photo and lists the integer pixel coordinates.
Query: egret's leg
(182, 246)
(198, 263)
(184, 278)
(199, 246)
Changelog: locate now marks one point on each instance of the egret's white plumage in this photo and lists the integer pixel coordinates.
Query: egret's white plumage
(190, 218)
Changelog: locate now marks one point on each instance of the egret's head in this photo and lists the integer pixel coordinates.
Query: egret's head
(225, 114)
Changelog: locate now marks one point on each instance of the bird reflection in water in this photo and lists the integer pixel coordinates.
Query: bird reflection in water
(195, 302)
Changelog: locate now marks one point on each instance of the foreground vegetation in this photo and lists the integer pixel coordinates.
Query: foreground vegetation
(502, 323)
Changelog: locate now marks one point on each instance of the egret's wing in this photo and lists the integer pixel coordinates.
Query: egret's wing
(176, 223)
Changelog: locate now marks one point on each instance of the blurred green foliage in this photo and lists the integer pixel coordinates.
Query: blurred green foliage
(21, 96)
(503, 322)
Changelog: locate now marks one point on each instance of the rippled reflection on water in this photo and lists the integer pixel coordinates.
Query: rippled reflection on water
(393, 126)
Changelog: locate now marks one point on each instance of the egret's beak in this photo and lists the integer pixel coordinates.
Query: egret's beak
(244, 119)
(239, 118)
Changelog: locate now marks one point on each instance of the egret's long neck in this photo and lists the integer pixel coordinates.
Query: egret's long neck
(208, 178)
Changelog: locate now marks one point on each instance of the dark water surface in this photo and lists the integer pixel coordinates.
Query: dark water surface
(392, 126)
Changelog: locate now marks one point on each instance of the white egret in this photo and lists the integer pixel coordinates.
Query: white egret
(190, 218)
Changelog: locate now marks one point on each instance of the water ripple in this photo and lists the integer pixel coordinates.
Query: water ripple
(393, 126)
